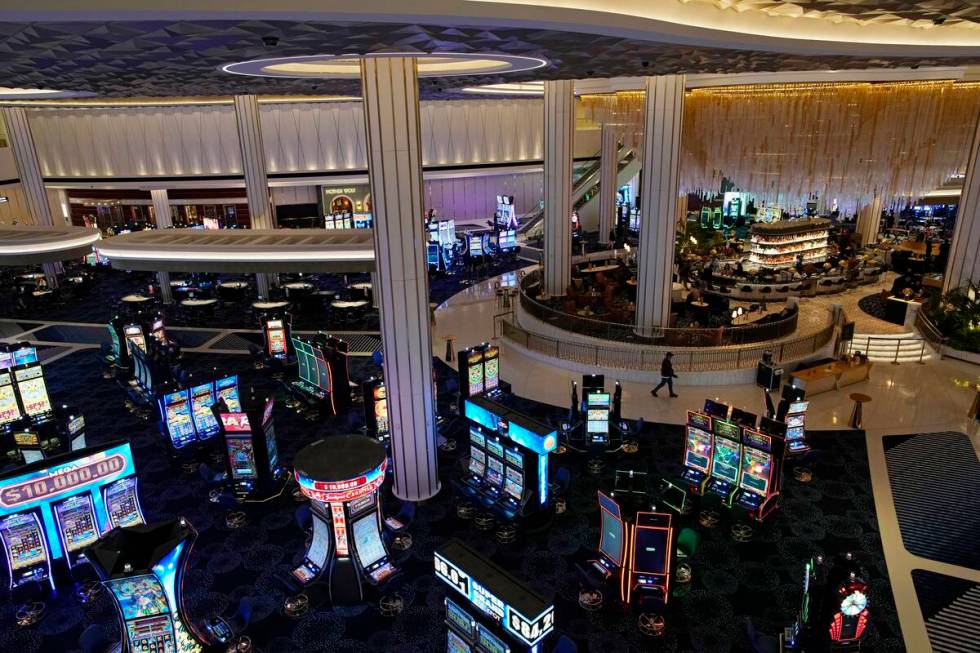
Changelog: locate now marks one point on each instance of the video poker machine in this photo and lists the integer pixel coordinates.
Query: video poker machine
(143, 570)
(51, 510)
(251, 453)
(341, 475)
(490, 609)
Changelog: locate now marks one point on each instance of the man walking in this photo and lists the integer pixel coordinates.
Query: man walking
(667, 376)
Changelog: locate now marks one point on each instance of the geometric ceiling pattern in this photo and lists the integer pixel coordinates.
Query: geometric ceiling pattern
(159, 58)
(917, 13)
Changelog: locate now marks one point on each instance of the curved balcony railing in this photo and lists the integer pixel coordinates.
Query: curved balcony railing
(668, 336)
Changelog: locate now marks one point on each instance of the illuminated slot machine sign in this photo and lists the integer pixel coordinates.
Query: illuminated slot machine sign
(33, 392)
(202, 398)
(275, 332)
(475, 371)
(507, 611)
(478, 456)
(65, 503)
(239, 446)
(227, 389)
(24, 356)
(9, 409)
(176, 409)
(796, 427)
(134, 337)
(491, 367)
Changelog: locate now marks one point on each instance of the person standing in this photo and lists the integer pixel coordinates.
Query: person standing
(667, 375)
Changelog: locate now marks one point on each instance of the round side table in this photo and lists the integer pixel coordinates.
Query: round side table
(857, 418)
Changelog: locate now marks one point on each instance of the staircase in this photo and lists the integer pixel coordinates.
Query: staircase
(910, 347)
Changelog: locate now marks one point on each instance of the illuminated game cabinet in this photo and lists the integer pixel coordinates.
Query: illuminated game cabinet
(186, 416)
(608, 565)
(489, 610)
(250, 450)
(143, 569)
(126, 333)
(276, 323)
(508, 468)
(341, 476)
(792, 410)
(478, 369)
(647, 566)
(51, 510)
(698, 451)
(376, 409)
(726, 463)
(761, 476)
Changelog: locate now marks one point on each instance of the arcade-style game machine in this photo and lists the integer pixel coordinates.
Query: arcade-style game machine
(53, 509)
(376, 409)
(251, 454)
(491, 610)
(143, 569)
(508, 467)
(342, 475)
(761, 477)
(698, 452)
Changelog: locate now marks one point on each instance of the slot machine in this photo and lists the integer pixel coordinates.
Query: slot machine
(762, 471)
(275, 335)
(314, 384)
(10, 413)
(794, 417)
(202, 398)
(597, 406)
(376, 409)
(28, 558)
(726, 463)
(134, 337)
(176, 419)
(698, 451)
(477, 467)
(471, 373)
(612, 540)
(491, 368)
(33, 392)
(77, 527)
(646, 578)
(490, 610)
(341, 475)
(143, 568)
(28, 443)
(333, 362)
(493, 480)
(514, 495)
(251, 453)
(227, 391)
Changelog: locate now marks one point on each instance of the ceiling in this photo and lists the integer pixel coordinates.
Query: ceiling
(962, 13)
(182, 57)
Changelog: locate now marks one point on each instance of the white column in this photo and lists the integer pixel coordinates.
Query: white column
(253, 162)
(869, 222)
(390, 90)
(262, 285)
(559, 141)
(659, 186)
(608, 185)
(166, 293)
(374, 289)
(964, 252)
(28, 168)
(161, 208)
(63, 208)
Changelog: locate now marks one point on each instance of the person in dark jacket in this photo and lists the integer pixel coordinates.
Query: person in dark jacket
(667, 376)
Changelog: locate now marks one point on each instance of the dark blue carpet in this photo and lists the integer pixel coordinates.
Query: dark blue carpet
(935, 480)
(760, 579)
(949, 607)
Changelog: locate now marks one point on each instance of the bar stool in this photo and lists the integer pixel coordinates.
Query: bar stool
(857, 419)
(450, 340)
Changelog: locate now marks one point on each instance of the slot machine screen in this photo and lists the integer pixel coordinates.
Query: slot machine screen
(33, 393)
(139, 596)
(177, 412)
(23, 539)
(507, 239)
(514, 458)
(456, 644)
(495, 472)
(122, 503)
(271, 448)
(795, 420)
(447, 232)
(322, 370)
(491, 368)
(598, 420)
(474, 362)
(476, 245)
(716, 409)
(6, 360)
(478, 462)
(725, 464)
(76, 521)
(228, 390)
(514, 483)
(798, 406)
(320, 544)
(134, 336)
(698, 449)
(611, 540)
(241, 456)
(9, 410)
(202, 398)
(27, 439)
(489, 642)
(432, 252)
(756, 468)
(367, 540)
(494, 447)
(276, 334)
(459, 617)
(477, 438)
(650, 549)
(304, 361)
(727, 430)
(24, 355)
(381, 408)
(794, 433)
(698, 420)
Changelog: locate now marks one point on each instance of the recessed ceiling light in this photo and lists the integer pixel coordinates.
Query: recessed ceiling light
(328, 66)
(11, 93)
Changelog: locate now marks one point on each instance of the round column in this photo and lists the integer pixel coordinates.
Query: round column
(389, 86)
(559, 142)
(28, 168)
(608, 182)
(964, 252)
(253, 162)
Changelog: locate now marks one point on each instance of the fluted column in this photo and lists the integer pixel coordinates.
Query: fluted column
(659, 188)
(64, 206)
(253, 162)
(964, 252)
(161, 208)
(869, 222)
(28, 168)
(389, 87)
(608, 180)
(559, 141)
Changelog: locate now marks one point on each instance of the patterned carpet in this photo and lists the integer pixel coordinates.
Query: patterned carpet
(873, 305)
(732, 581)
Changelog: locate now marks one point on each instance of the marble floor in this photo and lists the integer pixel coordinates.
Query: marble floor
(908, 398)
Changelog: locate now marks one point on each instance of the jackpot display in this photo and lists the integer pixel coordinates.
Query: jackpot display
(51, 510)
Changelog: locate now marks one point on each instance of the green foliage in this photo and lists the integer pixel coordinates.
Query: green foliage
(957, 317)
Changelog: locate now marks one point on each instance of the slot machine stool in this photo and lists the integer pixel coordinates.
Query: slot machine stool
(341, 476)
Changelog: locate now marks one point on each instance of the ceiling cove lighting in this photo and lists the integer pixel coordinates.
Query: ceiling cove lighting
(348, 66)
(11, 93)
(519, 88)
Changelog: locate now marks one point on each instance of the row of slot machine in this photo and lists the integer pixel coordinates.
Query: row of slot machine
(479, 372)
(28, 420)
(52, 510)
(728, 455)
(508, 459)
(186, 418)
(125, 334)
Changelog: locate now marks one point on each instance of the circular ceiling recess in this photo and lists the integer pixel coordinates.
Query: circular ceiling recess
(514, 88)
(9, 93)
(348, 66)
